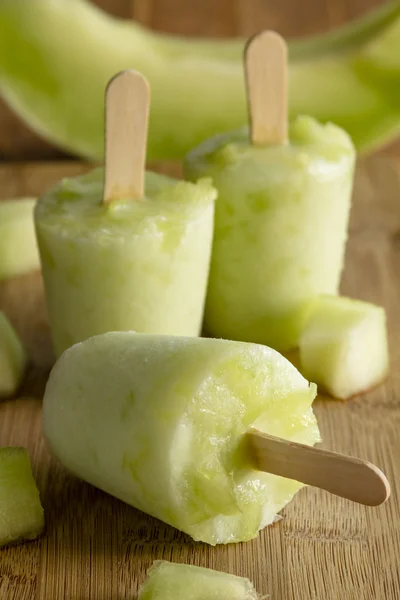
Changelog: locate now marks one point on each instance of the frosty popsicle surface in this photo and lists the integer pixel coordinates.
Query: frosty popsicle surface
(159, 422)
(280, 228)
(129, 265)
(282, 212)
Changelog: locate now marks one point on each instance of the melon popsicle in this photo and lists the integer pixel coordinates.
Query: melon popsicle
(125, 249)
(129, 265)
(160, 422)
(280, 227)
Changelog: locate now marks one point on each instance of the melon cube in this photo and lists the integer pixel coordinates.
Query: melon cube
(344, 346)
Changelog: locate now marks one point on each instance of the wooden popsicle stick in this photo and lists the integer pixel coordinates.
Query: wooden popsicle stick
(126, 118)
(352, 478)
(265, 61)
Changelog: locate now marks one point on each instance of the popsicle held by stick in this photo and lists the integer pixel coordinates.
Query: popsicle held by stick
(127, 105)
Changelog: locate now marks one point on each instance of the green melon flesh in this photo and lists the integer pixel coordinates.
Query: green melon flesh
(128, 266)
(18, 247)
(159, 422)
(171, 581)
(12, 358)
(21, 514)
(350, 76)
(344, 347)
(280, 229)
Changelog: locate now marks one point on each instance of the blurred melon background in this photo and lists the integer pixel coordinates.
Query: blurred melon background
(216, 18)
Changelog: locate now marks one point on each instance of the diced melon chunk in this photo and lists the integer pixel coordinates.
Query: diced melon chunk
(344, 346)
(171, 581)
(21, 513)
(18, 248)
(12, 358)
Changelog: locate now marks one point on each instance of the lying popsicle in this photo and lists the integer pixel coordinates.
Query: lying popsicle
(282, 210)
(173, 581)
(344, 346)
(18, 247)
(175, 427)
(132, 254)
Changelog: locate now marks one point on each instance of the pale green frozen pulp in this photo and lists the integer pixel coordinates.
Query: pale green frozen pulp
(173, 581)
(280, 228)
(159, 422)
(132, 265)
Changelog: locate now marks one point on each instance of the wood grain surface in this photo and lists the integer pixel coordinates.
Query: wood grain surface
(325, 548)
(218, 18)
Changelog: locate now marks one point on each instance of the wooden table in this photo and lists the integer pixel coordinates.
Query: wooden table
(95, 547)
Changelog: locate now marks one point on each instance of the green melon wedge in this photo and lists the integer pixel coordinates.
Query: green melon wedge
(172, 581)
(12, 358)
(21, 513)
(344, 346)
(18, 248)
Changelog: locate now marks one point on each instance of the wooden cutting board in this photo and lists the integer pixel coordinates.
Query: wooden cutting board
(95, 547)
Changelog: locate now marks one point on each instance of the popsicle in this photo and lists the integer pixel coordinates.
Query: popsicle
(20, 508)
(132, 254)
(344, 346)
(175, 426)
(173, 581)
(282, 211)
(13, 358)
(18, 247)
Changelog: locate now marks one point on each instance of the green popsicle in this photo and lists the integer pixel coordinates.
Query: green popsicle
(139, 266)
(125, 250)
(280, 226)
(160, 423)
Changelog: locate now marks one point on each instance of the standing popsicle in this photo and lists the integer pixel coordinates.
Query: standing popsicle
(132, 254)
(176, 427)
(282, 210)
